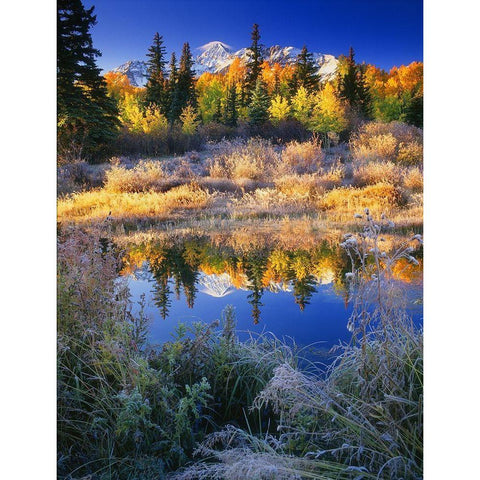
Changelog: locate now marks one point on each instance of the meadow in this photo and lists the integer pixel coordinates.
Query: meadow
(247, 179)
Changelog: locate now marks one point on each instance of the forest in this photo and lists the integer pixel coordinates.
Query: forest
(101, 115)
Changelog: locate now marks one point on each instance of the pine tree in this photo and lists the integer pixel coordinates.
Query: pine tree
(414, 111)
(230, 114)
(254, 53)
(348, 82)
(156, 88)
(305, 72)
(364, 97)
(172, 87)
(353, 88)
(87, 117)
(217, 114)
(303, 289)
(184, 93)
(258, 110)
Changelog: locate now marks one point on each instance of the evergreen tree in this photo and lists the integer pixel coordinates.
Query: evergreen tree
(230, 114)
(255, 266)
(348, 82)
(172, 87)
(303, 290)
(414, 111)
(364, 97)
(156, 88)
(260, 103)
(184, 93)
(217, 114)
(305, 73)
(353, 88)
(276, 83)
(254, 53)
(87, 118)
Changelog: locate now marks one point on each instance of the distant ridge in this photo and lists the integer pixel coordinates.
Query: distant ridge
(216, 57)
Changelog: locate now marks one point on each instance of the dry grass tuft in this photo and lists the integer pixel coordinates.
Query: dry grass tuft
(381, 197)
(98, 204)
(144, 177)
(255, 159)
(372, 173)
(413, 179)
(305, 157)
(395, 142)
(300, 185)
(333, 177)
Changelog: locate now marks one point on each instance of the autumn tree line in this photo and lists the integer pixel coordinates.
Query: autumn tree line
(176, 109)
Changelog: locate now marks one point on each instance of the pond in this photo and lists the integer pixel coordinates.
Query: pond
(296, 293)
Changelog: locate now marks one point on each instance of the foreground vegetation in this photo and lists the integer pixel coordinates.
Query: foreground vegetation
(247, 409)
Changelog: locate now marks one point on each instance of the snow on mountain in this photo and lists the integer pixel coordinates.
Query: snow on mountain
(215, 285)
(136, 72)
(216, 57)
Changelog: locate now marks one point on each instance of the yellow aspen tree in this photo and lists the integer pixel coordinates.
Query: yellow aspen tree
(279, 109)
(154, 122)
(329, 113)
(189, 119)
(302, 105)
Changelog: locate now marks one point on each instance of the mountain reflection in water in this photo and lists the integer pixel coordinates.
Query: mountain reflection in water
(195, 279)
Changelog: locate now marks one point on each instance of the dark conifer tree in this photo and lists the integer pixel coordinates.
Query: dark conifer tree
(348, 82)
(184, 93)
(353, 89)
(303, 290)
(172, 86)
(156, 88)
(414, 111)
(254, 66)
(276, 84)
(306, 71)
(217, 114)
(87, 117)
(255, 266)
(230, 114)
(259, 104)
(364, 97)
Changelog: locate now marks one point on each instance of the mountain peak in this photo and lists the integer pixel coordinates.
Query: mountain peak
(215, 45)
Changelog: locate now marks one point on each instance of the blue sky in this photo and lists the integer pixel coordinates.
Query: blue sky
(383, 32)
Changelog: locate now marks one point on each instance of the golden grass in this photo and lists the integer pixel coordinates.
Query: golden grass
(410, 154)
(379, 198)
(373, 172)
(147, 175)
(98, 204)
(395, 142)
(300, 185)
(303, 157)
(413, 179)
(255, 159)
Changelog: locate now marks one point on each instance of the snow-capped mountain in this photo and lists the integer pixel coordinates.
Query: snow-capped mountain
(136, 72)
(215, 285)
(216, 57)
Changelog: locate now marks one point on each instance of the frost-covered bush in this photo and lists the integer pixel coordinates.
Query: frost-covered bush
(395, 142)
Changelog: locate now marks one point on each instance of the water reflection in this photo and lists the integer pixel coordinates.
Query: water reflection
(185, 267)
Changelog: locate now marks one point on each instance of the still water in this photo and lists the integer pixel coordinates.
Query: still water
(294, 293)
